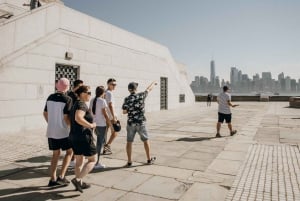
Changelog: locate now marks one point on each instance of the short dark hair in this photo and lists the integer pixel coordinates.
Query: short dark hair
(110, 80)
(82, 89)
(225, 88)
(76, 83)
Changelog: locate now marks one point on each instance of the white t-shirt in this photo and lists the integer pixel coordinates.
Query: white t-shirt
(99, 118)
(109, 97)
(223, 99)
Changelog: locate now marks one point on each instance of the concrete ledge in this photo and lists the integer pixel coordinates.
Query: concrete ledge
(294, 102)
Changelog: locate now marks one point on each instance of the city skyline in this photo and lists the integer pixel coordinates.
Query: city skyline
(260, 82)
(253, 34)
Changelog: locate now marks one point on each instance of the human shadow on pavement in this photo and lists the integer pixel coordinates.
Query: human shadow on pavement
(120, 167)
(195, 139)
(22, 173)
(36, 159)
(38, 193)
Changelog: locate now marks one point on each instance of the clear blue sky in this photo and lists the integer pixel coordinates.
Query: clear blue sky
(253, 35)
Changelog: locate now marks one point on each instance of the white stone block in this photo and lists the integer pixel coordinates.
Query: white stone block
(22, 75)
(60, 39)
(41, 62)
(29, 29)
(100, 30)
(78, 55)
(12, 91)
(7, 33)
(21, 107)
(52, 18)
(34, 122)
(50, 50)
(11, 125)
(20, 61)
(74, 21)
(98, 59)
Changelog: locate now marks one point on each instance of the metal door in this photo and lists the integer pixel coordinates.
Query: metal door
(163, 93)
(70, 72)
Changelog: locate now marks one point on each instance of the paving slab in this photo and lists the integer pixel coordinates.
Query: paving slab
(205, 192)
(189, 159)
(163, 187)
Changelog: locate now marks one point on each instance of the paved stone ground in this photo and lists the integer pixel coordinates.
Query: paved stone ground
(191, 164)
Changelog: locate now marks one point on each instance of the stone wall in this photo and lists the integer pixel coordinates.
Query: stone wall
(37, 40)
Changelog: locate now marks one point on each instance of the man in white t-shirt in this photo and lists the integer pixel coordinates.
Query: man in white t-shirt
(224, 111)
(109, 97)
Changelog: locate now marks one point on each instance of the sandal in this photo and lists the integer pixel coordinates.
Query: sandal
(107, 150)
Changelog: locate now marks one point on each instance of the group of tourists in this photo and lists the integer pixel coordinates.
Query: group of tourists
(72, 124)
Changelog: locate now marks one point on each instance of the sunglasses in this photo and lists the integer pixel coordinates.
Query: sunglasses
(88, 92)
(113, 84)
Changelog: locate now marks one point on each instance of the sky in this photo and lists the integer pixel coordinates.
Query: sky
(253, 35)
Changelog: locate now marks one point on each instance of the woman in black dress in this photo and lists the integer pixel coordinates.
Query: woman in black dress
(81, 136)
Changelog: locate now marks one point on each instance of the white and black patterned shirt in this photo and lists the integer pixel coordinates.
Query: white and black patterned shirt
(134, 104)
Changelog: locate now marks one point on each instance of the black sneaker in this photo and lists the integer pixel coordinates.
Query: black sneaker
(129, 164)
(218, 135)
(62, 181)
(151, 161)
(53, 183)
(77, 185)
(233, 132)
(85, 185)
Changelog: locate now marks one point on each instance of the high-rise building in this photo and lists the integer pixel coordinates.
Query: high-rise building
(212, 72)
(234, 76)
(288, 84)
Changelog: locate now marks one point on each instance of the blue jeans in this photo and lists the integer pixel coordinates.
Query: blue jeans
(100, 132)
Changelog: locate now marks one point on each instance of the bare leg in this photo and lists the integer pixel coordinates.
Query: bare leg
(53, 166)
(78, 166)
(230, 127)
(112, 137)
(218, 127)
(129, 151)
(147, 149)
(88, 166)
(66, 162)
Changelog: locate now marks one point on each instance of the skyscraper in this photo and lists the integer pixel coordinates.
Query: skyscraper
(234, 76)
(212, 73)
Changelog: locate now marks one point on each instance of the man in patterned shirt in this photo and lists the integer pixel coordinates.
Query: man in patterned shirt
(134, 106)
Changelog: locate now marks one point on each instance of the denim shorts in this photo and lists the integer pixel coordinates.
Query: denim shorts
(133, 128)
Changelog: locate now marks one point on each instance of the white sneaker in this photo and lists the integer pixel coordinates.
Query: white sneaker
(72, 164)
(99, 166)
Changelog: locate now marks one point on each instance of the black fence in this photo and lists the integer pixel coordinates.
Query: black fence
(199, 98)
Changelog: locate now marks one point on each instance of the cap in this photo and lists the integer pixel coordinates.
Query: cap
(117, 126)
(63, 84)
(132, 86)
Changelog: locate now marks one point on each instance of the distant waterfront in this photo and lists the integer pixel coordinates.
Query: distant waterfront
(250, 94)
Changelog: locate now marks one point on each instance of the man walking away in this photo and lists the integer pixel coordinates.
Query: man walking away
(224, 112)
